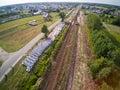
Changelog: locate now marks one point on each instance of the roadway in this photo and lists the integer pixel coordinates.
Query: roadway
(10, 62)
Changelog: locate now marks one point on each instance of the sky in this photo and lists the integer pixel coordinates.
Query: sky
(9, 2)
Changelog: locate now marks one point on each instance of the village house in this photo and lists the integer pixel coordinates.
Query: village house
(47, 17)
(33, 22)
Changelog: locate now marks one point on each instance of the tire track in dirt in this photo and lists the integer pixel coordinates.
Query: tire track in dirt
(82, 78)
(74, 53)
(53, 77)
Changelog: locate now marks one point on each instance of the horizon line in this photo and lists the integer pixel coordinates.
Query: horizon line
(61, 2)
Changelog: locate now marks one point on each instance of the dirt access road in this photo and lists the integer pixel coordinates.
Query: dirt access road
(63, 58)
(8, 64)
(71, 71)
(82, 80)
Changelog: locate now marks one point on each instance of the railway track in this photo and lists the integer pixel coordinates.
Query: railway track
(71, 71)
(82, 79)
(52, 79)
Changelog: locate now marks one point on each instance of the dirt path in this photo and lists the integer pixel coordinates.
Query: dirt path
(105, 25)
(63, 61)
(82, 78)
(14, 58)
(71, 71)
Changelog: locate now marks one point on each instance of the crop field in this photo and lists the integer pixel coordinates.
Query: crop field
(114, 28)
(116, 36)
(114, 33)
(15, 34)
(18, 79)
(18, 22)
(19, 74)
(24, 21)
(114, 79)
(65, 11)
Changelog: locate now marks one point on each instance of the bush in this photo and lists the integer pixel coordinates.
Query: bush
(94, 22)
(62, 16)
(31, 81)
(105, 86)
(40, 71)
(116, 21)
(102, 46)
(101, 68)
(33, 87)
(116, 57)
(44, 64)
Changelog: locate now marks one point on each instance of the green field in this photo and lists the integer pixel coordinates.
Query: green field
(113, 81)
(65, 11)
(19, 79)
(15, 34)
(114, 34)
(19, 75)
(114, 28)
(105, 45)
(115, 37)
(99, 7)
(18, 22)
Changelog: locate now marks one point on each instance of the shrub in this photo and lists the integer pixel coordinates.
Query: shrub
(116, 57)
(102, 46)
(101, 68)
(29, 82)
(116, 21)
(62, 16)
(105, 86)
(94, 22)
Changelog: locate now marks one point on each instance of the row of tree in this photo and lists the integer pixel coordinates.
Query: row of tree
(115, 20)
(45, 29)
(93, 22)
(106, 53)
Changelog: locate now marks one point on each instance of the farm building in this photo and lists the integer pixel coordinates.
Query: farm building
(47, 17)
(33, 22)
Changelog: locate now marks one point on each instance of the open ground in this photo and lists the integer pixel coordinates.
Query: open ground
(71, 71)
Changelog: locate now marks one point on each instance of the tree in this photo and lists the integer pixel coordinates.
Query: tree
(102, 44)
(45, 30)
(105, 86)
(62, 16)
(101, 68)
(116, 21)
(58, 10)
(94, 22)
(116, 57)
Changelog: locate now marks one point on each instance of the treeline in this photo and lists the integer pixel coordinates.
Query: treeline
(12, 16)
(93, 22)
(115, 20)
(9, 14)
(106, 53)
